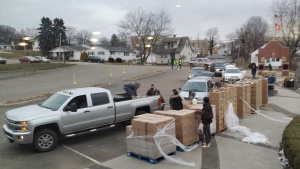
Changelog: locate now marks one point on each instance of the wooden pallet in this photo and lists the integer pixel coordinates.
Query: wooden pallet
(148, 159)
(182, 150)
(219, 131)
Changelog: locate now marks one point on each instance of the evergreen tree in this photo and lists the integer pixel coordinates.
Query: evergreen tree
(114, 41)
(46, 36)
(59, 31)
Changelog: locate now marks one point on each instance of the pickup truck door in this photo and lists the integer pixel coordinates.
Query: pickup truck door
(102, 109)
(79, 120)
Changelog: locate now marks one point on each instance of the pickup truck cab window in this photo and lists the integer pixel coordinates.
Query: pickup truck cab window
(99, 98)
(80, 101)
(55, 101)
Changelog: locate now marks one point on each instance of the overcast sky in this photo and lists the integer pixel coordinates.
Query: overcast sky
(192, 18)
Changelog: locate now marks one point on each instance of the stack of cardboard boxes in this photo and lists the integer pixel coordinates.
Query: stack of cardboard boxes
(243, 93)
(186, 124)
(256, 94)
(264, 88)
(217, 98)
(140, 134)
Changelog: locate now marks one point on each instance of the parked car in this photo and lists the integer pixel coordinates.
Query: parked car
(42, 59)
(204, 74)
(200, 85)
(72, 112)
(95, 59)
(232, 74)
(2, 61)
(195, 70)
(28, 59)
(219, 67)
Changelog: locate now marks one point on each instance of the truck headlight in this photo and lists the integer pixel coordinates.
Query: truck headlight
(24, 128)
(24, 122)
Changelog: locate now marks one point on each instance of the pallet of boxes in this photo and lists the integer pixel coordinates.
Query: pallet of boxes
(243, 98)
(256, 94)
(140, 137)
(219, 99)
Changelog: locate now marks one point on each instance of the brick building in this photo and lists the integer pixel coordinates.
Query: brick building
(276, 54)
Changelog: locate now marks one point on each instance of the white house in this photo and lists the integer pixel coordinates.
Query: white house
(68, 52)
(35, 45)
(254, 56)
(225, 49)
(111, 52)
(172, 48)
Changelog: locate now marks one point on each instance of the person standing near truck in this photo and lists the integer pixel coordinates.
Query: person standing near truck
(131, 89)
(176, 63)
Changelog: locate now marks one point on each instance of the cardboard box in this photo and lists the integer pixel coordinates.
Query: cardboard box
(128, 130)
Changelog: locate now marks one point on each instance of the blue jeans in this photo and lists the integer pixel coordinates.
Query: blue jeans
(128, 91)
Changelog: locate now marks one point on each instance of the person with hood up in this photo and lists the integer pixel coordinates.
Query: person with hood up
(131, 89)
(206, 117)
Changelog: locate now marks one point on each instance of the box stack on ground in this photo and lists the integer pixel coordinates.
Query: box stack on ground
(233, 96)
(217, 99)
(264, 88)
(186, 124)
(141, 143)
(256, 94)
(243, 93)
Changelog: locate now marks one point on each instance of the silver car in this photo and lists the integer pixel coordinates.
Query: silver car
(200, 85)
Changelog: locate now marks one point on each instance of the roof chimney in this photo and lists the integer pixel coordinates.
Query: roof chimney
(174, 36)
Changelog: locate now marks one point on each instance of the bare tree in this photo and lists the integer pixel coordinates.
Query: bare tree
(104, 41)
(251, 35)
(147, 29)
(31, 32)
(7, 34)
(71, 35)
(288, 14)
(83, 36)
(213, 35)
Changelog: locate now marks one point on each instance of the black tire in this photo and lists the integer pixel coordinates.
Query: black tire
(45, 140)
(140, 112)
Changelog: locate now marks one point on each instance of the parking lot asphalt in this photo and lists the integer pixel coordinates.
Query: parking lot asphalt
(107, 148)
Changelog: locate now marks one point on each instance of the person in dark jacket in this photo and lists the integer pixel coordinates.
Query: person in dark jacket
(175, 101)
(131, 89)
(151, 91)
(253, 70)
(192, 94)
(270, 67)
(206, 117)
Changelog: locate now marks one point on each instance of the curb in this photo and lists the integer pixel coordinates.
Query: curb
(144, 75)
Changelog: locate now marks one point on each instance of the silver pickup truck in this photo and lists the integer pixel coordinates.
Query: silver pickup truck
(69, 113)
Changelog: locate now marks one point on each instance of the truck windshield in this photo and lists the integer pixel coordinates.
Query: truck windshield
(55, 101)
(196, 86)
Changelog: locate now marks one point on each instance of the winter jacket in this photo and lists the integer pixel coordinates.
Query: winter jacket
(176, 103)
(206, 114)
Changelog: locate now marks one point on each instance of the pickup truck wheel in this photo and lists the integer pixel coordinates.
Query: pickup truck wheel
(45, 140)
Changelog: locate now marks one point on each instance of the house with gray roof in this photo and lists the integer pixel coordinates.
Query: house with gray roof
(171, 48)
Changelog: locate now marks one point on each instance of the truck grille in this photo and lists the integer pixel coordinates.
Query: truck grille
(11, 124)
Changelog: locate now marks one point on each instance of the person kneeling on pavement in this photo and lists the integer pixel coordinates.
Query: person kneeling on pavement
(206, 118)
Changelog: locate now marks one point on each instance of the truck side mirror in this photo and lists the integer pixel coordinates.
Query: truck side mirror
(72, 107)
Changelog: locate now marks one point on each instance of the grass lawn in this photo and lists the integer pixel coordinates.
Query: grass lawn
(16, 54)
(33, 66)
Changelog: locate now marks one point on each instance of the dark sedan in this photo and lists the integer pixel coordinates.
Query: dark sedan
(2, 61)
(96, 59)
(204, 74)
(28, 59)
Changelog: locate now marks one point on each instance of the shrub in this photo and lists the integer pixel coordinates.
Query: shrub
(291, 142)
(84, 56)
(119, 60)
(111, 60)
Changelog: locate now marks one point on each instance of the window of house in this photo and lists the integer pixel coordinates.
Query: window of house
(126, 53)
(170, 44)
(101, 53)
(277, 60)
(273, 59)
(99, 98)
(112, 52)
(90, 53)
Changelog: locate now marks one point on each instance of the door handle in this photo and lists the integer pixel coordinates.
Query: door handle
(87, 111)
(109, 107)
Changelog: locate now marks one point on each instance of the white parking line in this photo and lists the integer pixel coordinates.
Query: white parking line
(87, 157)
